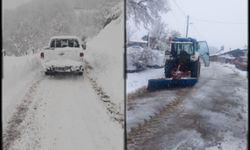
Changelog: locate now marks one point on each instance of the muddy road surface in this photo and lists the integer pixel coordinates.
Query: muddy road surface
(212, 115)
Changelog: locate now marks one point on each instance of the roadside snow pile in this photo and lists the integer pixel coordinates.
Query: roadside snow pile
(139, 59)
(105, 54)
(18, 74)
(136, 81)
(241, 73)
(134, 62)
(14, 67)
(154, 58)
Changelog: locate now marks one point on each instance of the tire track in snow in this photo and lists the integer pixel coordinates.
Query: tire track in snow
(144, 131)
(111, 107)
(149, 128)
(16, 125)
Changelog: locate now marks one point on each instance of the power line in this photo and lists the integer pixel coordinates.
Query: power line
(219, 22)
(181, 10)
(205, 20)
(176, 18)
(197, 31)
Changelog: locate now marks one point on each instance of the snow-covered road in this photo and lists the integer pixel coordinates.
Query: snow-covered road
(62, 112)
(212, 115)
(67, 112)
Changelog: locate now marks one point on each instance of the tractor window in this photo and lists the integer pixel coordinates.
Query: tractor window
(178, 47)
(188, 48)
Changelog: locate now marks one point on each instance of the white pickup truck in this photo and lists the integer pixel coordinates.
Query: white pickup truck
(64, 54)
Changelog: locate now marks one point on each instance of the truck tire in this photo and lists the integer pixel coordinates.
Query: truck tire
(195, 69)
(169, 64)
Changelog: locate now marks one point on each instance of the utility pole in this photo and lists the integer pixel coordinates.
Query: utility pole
(187, 26)
(148, 40)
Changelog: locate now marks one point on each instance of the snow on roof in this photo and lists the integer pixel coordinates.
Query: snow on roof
(64, 37)
(181, 42)
(138, 41)
(227, 56)
(226, 51)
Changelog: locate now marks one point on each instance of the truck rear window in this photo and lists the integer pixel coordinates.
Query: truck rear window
(60, 43)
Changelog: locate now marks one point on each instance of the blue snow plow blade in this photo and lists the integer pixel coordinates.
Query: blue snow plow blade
(158, 84)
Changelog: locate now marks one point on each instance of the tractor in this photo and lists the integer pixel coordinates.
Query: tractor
(182, 66)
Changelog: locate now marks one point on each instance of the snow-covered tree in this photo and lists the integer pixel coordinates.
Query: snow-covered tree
(146, 11)
(33, 23)
(158, 35)
(159, 29)
(175, 33)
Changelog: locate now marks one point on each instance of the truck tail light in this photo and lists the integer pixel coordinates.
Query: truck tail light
(81, 54)
(42, 55)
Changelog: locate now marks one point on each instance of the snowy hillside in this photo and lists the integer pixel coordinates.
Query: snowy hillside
(105, 54)
(30, 25)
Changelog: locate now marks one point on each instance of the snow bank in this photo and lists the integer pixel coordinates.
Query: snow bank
(241, 73)
(153, 57)
(105, 54)
(139, 59)
(138, 80)
(18, 74)
(134, 61)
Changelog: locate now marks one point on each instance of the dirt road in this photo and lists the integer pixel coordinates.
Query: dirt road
(210, 115)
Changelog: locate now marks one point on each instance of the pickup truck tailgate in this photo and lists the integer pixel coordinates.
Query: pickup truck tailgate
(63, 54)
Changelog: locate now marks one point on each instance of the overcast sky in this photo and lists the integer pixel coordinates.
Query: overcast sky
(12, 4)
(219, 22)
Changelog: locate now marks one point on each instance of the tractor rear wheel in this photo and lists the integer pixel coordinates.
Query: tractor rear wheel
(195, 69)
(169, 64)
